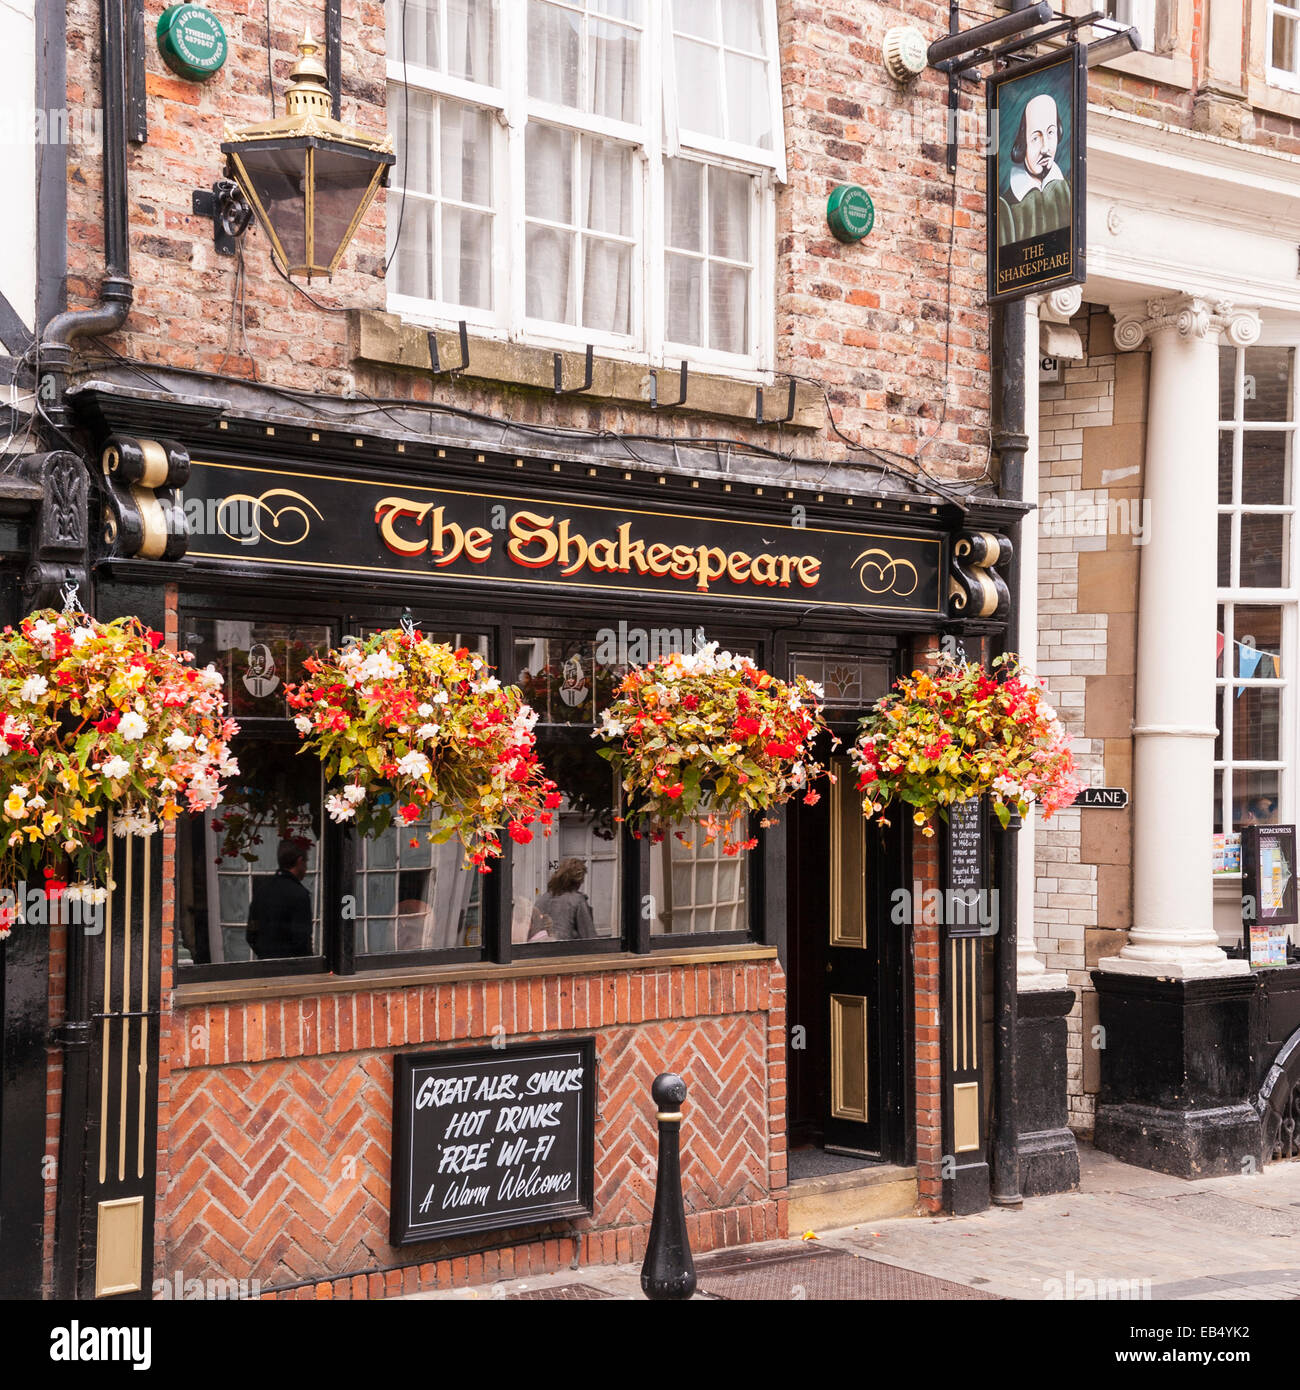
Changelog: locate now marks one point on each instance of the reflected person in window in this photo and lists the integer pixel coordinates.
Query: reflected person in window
(280, 915)
(563, 913)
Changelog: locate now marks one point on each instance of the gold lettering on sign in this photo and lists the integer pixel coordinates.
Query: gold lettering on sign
(536, 540)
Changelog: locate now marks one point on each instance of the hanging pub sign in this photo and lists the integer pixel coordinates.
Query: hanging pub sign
(1036, 196)
(399, 528)
(485, 1138)
(1268, 890)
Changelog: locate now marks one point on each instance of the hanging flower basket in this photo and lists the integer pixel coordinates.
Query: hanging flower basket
(98, 717)
(710, 737)
(957, 733)
(412, 726)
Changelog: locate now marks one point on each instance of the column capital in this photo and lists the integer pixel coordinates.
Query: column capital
(1191, 316)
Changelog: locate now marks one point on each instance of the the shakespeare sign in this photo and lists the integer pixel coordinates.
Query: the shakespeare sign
(485, 1138)
(1037, 113)
(305, 520)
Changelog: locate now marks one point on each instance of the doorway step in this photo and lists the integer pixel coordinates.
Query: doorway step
(869, 1193)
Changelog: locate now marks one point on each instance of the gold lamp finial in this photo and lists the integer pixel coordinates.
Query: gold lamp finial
(308, 90)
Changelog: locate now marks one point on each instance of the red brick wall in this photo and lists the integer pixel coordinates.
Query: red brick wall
(280, 1123)
(867, 321)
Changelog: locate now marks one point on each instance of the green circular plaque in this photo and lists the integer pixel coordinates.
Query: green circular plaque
(191, 41)
(850, 212)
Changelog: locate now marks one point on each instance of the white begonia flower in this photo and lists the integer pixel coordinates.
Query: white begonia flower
(441, 698)
(302, 723)
(339, 808)
(82, 635)
(37, 803)
(354, 794)
(415, 765)
(428, 731)
(424, 710)
(33, 688)
(489, 684)
(116, 767)
(179, 741)
(133, 727)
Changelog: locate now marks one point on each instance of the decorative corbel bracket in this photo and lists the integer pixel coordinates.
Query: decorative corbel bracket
(977, 584)
(144, 513)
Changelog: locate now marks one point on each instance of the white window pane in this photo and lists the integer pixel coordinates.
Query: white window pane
(421, 34)
(698, 97)
(631, 10)
(1284, 45)
(607, 187)
(550, 289)
(413, 267)
(728, 308)
(471, 40)
(749, 113)
(554, 53)
(613, 63)
(607, 286)
(466, 155)
(411, 115)
(683, 211)
(685, 284)
(699, 17)
(742, 25)
(548, 173)
(729, 202)
(467, 257)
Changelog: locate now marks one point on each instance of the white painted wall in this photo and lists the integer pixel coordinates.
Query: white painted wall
(18, 155)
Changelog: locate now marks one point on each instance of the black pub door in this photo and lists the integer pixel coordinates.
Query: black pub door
(845, 957)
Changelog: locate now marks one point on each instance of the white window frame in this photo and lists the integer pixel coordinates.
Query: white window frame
(654, 139)
(1286, 598)
(1282, 77)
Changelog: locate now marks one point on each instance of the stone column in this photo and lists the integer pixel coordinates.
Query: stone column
(1173, 905)
(1177, 1074)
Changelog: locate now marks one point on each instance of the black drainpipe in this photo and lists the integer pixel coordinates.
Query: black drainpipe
(117, 292)
(115, 295)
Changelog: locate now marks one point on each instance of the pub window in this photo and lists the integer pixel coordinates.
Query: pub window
(251, 870)
(568, 887)
(588, 171)
(1257, 713)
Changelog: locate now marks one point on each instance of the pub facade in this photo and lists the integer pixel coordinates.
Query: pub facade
(594, 381)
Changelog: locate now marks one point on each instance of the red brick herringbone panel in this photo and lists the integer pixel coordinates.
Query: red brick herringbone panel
(724, 1133)
(281, 1171)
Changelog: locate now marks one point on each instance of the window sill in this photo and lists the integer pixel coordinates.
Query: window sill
(386, 340)
(303, 986)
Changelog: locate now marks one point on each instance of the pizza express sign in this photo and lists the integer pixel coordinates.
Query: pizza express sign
(317, 521)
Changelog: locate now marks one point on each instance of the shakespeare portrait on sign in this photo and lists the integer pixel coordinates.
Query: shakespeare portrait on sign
(1034, 176)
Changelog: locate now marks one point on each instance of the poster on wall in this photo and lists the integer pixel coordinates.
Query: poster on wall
(1036, 195)
(485, 1138)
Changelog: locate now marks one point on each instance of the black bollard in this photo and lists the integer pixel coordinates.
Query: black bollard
(668, 1271)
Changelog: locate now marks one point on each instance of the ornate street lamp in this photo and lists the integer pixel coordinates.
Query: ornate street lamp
(307, 178)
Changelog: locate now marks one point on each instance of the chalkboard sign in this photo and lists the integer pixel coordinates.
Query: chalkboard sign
(965, 898)
(485, 1138)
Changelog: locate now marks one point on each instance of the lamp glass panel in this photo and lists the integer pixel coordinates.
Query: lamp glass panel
(279, 182)
(342, 183)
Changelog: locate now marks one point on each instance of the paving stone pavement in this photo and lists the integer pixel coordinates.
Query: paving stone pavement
(1128, 1233)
